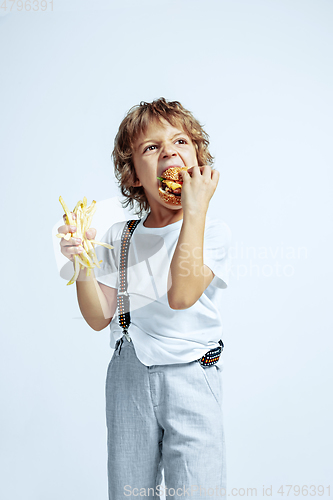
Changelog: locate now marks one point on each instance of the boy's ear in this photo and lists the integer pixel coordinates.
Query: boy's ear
(136, 183)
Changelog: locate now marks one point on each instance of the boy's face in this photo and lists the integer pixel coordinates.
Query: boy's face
(161, 146)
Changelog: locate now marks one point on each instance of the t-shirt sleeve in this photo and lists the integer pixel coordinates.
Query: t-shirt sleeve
(217, 242)
(108, 272)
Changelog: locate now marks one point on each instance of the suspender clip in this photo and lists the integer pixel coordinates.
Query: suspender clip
(125, 332)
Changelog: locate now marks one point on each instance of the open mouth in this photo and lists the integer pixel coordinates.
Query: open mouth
(171, 184)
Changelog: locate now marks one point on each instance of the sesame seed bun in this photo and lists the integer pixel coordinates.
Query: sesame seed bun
(171, 174)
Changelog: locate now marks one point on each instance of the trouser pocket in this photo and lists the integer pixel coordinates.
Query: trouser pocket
(212, 376)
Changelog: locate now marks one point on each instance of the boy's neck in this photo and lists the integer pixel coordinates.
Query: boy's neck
(163, 220)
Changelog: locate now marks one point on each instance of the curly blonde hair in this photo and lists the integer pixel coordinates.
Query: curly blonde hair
(137, 121)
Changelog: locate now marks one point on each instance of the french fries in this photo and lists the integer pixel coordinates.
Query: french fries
(88, 257)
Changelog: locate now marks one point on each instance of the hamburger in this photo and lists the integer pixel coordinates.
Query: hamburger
(171, 185)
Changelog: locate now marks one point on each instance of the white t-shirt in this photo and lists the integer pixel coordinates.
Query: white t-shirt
(162, 335)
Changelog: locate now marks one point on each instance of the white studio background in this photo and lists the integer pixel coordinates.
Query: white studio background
(258, 75)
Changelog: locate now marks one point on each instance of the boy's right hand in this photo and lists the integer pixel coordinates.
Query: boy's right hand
(73, 245)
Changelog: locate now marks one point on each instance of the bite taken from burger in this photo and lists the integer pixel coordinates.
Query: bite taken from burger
(171, 184)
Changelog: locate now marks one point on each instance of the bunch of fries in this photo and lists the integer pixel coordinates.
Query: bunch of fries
(84, 215)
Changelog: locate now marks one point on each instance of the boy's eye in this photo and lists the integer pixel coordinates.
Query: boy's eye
(148, 148)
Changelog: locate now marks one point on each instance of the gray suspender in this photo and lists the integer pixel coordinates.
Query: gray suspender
(123, 300)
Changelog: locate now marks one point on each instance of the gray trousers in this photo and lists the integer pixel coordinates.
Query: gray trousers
(164, 418)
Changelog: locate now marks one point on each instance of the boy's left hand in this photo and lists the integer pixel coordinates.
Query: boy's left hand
(199, 185)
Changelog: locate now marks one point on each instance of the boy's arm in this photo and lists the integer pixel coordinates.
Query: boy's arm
(97, 302)
(189, 276)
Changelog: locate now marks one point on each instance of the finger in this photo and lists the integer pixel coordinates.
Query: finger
(206, 170)
(91, 233)
(72, 242)
(67, 229)
(69, 251)
(197, 170)
(72, 214)
(190, 169)
(185, 174)
(215, 175)
(77, 250)
(66, 247)
(66, 250)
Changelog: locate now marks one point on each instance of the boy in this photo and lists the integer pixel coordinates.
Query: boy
(163, 407)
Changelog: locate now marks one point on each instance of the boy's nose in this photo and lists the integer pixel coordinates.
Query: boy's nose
(168, 151)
